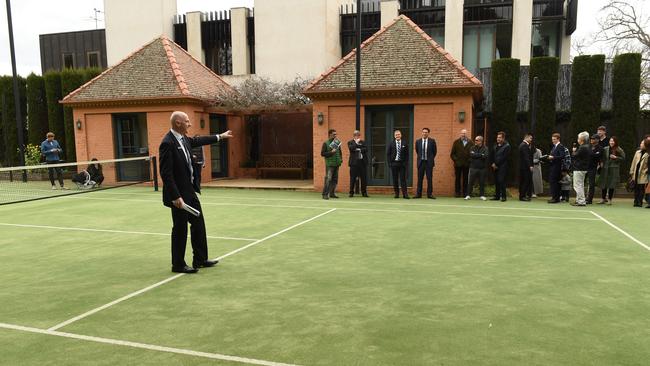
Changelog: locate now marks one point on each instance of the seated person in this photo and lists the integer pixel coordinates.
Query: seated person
(96, 174)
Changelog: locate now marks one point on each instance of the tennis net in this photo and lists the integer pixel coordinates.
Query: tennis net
(35, 182)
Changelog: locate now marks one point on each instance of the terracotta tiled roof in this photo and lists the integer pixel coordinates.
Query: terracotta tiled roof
(399, 56)
(160, 69)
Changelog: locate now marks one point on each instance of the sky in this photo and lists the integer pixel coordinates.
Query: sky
(34, 17)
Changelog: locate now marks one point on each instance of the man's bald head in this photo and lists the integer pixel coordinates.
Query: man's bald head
(180, 122)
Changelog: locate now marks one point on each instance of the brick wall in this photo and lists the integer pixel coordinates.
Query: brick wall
(438, 112)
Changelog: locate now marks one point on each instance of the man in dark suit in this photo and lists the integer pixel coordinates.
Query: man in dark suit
(426, 151)
(555, 158)
(180, 186)
(398, 158)
(500, 166)
(525, 167)
(358, 163)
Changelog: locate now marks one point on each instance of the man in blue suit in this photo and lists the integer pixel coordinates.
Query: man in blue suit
(556, 159)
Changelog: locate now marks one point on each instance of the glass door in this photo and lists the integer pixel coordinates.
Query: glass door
(131, 141)
(219, 151)
(381, 123)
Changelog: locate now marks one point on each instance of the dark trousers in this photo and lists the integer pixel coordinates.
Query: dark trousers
(425, 169)
(475, 174)
(399, 178)
(180, 218)
(525, 182)
(554, 183)
(607, 194)
(639, 194)
(360, 172)
(591, 177)
(461, 179)
(500, 182)
(59, 173)
(331, 180)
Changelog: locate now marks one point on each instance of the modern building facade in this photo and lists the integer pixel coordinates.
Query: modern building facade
(73, 50)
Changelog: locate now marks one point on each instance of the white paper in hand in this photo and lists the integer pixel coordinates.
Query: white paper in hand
(191, 210)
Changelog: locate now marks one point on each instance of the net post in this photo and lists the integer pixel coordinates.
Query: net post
(154, 162)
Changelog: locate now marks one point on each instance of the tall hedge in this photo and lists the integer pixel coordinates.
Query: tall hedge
(90, 73)
(9, 128)
(546, 70)
(54, 109)
(626, 87)
(586, 93)
(37, 125)
(71, 79)
(505, 84)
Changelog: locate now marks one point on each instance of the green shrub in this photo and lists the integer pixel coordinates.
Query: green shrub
(9, 127)
(586, 93)
(505, 86)
(546, 70)
(71, 79)
(37, 125)
(54, 109)
(626, 87)
(32, 154)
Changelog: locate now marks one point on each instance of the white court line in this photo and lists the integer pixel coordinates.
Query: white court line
(150, 347)
(359, 202)
(93, 311)
(620, 230)
(111, 231)
(366, 209)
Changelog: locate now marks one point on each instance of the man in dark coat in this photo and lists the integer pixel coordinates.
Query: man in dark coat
(460, 156)
(525, 167)
(500, 165)
(358, 163)
(397, 155)
(180, 187)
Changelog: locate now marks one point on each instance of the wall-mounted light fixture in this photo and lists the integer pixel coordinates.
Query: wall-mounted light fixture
(461, 116)
(78, 123)
(321, 118)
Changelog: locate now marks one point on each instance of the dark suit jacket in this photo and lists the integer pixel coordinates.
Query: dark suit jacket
(354, 154)
(525, 157)
(432, 151)
(558, 158)
(391, 153)
(174, 170)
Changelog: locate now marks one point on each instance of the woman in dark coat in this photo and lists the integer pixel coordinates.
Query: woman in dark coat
(610, 176)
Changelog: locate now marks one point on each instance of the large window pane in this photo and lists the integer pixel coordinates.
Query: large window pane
(487, 35)
(545, 39)
(470, 48)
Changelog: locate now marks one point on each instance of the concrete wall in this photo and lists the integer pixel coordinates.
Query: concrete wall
(296, 38)
(193, 33)
(522, 30)
(454, 28)
(130, 24)
(438, 112)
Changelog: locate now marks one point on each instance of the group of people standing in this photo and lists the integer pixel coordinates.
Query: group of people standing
(594, 159)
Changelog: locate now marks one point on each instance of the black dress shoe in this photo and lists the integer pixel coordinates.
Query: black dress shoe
(351, 195)
(365, 195)
(185, 269)
(407, 197)
(431, 197)
(333, 196)
(326, 197)
(503, 199)
(495, 199)
(524, 199)
(553, 201)
(208, 263)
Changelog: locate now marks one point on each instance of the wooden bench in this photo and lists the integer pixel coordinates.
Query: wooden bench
(282, 162)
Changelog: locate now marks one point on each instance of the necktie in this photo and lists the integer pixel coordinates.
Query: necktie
(424, 150)
(399, 151)
(188, 160)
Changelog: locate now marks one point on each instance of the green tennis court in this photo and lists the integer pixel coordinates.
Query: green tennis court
(365, 281)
